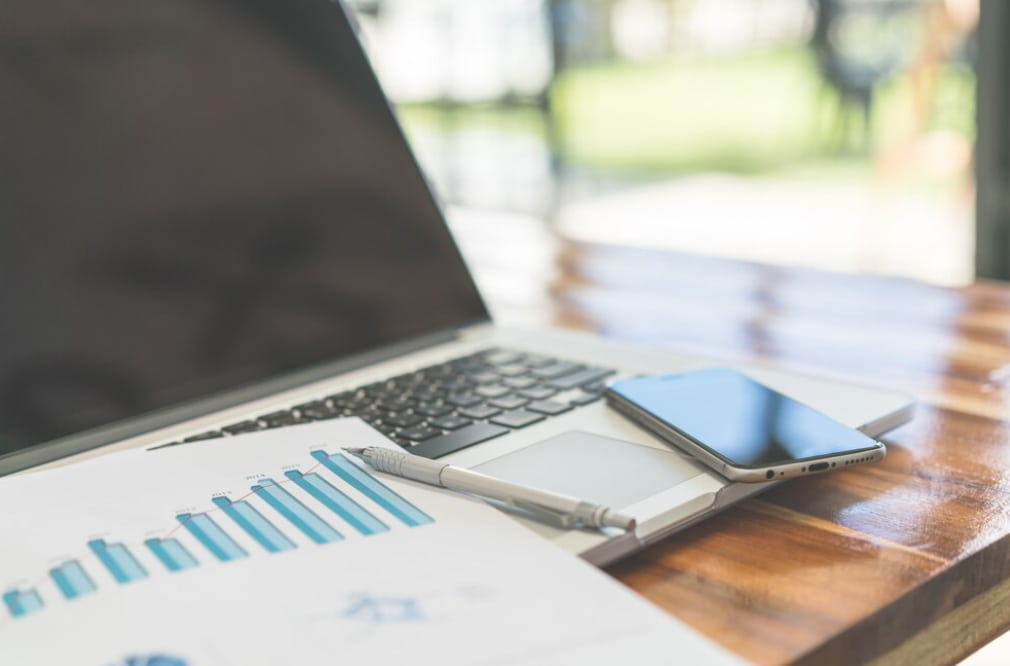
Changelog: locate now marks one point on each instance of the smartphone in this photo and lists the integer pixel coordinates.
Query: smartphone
(739, 427)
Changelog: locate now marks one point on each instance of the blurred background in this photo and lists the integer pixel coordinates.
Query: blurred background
(836, 134)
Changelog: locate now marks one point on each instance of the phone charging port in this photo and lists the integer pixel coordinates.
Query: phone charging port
(818, 467)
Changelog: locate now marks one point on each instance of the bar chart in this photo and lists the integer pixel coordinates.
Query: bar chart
(152, 660)
(172, 554)
(118, 559)
(321, 505)
(22, 602)
(299, 515)
(72, 580)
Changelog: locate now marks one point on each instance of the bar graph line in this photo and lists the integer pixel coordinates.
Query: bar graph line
(21, 603)
(72, 580)
(299, 515)
(373, 489)
(241, 497)
(172, 554)
(213, 538)
(120, 562)
(255, 525)
(337, 502)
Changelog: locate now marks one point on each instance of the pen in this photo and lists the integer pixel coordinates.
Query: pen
(568, 511)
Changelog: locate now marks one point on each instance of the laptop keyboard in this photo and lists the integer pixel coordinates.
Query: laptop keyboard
(443, 408)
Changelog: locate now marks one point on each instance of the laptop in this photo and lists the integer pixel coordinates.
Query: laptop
(213, 225)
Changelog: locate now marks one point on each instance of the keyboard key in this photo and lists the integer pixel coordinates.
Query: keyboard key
(367, 412)
(454, 386)
(556, 370)
(434, 409)
(396, 404)
(408, 379)
(548, 407)
(240, 427)
(537, 361)
(349, 400)
(517, 418)
(510, 370)
(418, 433)
(479, 412)
(537, 392)
(279, 419)
(450, 422)
(493, 390)
(520, 382)
(403, 420)
(437, 447)
(320, 413)
(464, 399)
(484, 377)
(508, 402)
(579, 378)
(426, 393)
(509, 389)
(378, 388)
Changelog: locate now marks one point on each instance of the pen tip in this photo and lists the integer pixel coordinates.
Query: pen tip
(617, 520)
(353, 451)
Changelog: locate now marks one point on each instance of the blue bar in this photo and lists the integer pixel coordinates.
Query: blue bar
(12, 600)
(118, 560)
(72, 580)
(338, 502)
(154, 660)
(212, 536)
(300, 515)
(171, 553)
(372, 488)
(253, 522)
(22, 603)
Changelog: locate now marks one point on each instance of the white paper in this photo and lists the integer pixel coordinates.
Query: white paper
(468, 587)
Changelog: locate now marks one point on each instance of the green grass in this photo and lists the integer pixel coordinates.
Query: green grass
(746, 113)
(736, 113)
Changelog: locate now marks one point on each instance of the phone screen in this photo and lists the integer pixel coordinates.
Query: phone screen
(740, 420)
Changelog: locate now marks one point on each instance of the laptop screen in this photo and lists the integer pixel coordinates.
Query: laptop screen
(198, 195)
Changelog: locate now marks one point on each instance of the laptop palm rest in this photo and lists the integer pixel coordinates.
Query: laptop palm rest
(593, 468)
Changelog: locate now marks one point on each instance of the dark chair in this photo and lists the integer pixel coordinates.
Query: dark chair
(857, 44)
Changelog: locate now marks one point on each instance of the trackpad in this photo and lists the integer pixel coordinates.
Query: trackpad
(594, 468)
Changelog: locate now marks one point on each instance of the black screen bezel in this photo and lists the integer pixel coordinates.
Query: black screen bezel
(343, 24)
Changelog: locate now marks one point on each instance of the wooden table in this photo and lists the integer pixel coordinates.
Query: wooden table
(905, 562)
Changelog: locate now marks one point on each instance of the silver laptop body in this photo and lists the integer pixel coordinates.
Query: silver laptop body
(160, 193)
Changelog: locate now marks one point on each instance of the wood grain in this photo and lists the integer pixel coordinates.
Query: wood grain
(905, 561)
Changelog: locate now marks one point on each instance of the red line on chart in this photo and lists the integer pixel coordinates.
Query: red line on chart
(182, 523)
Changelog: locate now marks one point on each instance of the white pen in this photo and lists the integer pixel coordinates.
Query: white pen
(568, 511)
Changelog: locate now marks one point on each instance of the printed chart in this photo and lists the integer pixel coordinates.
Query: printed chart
(323, 511)
(276, 548)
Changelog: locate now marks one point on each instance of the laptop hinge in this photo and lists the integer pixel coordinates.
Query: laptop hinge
(479, 330)
(67, 446)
